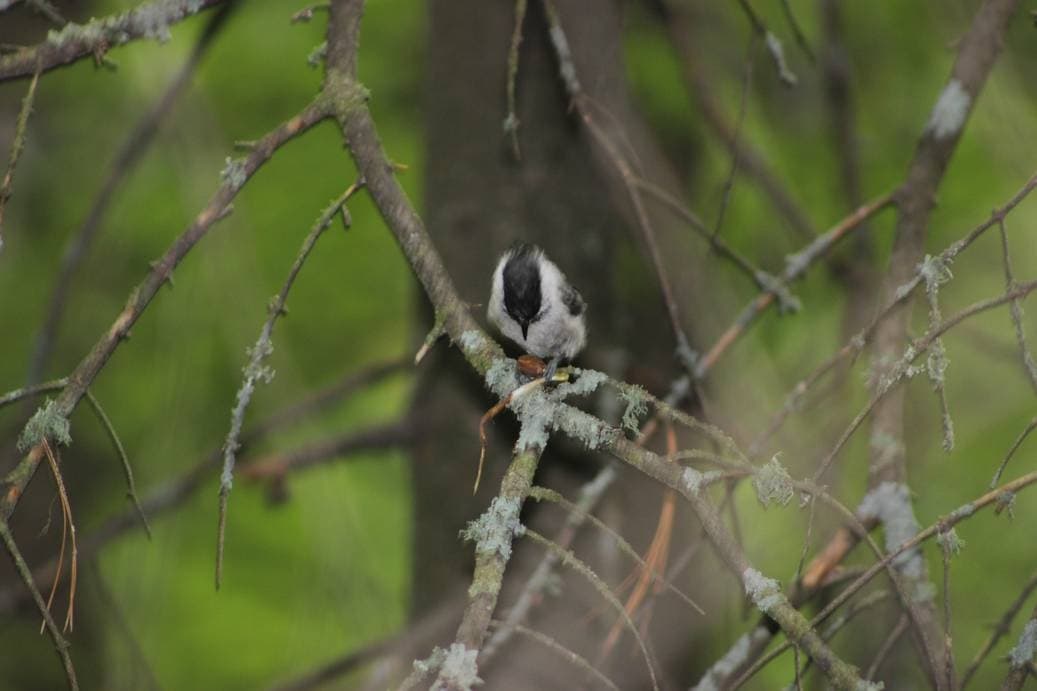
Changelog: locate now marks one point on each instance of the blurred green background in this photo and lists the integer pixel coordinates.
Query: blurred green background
(328, 570)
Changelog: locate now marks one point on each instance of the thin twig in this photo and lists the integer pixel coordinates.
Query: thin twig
(754, 163)
(131, 486)
(130, 153)
(773, 43)
(797, 30)
(570, 560)
(796, 265)
(564, 652)
(743, 107)
(856, 344)
(978, 51)
(256, 371)
(511, 122)
(917, 347)
(887, 647)
(68, 528)
(17, 146)
(276, 466)
(1016, 311)
(1001, 629)
(60, 644)
(34, 390)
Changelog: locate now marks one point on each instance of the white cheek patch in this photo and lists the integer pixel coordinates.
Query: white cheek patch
(950, 111)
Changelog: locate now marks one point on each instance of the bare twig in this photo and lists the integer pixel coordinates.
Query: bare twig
(796, 265)
(275, 466)
(511, 122)
(1016, 311)
(34, 390)
(1004, 625)
(17, 146)
(60, 644)
(131, 486)
(887, 647)
(565, 653)
(797, 30)
(130, 153)
(743, 107)
(752, 160)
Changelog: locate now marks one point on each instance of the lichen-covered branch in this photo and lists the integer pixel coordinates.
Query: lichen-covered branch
(173, 493)
(977, 53)
(234, 178)
(73, 42)
(256, 371)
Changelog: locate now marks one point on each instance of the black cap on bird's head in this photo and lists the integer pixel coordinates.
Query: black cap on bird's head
(522, 298)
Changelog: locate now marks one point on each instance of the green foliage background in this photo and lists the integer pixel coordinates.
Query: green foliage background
(329, 569)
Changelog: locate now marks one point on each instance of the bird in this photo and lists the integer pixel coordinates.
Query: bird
(533, 304)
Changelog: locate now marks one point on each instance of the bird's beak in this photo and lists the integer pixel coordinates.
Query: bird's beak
(525, 329)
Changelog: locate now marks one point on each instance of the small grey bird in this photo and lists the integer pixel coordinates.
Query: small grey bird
(532, 303)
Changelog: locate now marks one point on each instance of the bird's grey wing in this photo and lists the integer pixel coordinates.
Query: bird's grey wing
(573, 301)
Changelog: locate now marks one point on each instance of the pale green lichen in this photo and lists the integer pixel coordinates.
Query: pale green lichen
(764, 592)
(317, 55)
(1006, 503)
(431, 663)
(585, 381)
(593, 433)
(694, 480)
(234, 172)
(865, 685)
(344, 93)
(48, 423)
(773, 484)
(1019, 656)
(458, 669)
(950, 542)
(494, 530)
(935, 271)
(501, 376)
(471, 340)
(536, 415)
(787, 302)
(637, 405)
(150, 20)
(890, 504)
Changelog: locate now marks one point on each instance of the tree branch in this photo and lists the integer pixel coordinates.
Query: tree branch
(235, 176)
(76, 41)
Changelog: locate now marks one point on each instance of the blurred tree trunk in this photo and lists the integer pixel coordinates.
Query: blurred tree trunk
(563, 195)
